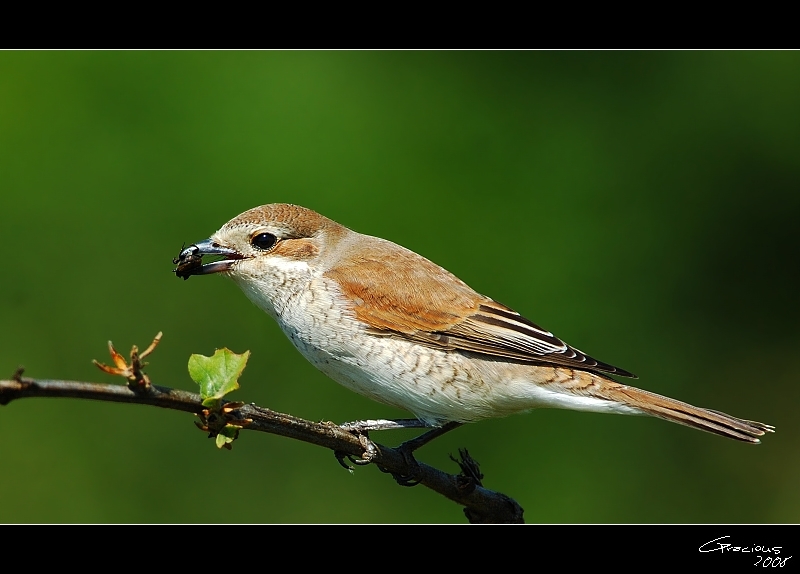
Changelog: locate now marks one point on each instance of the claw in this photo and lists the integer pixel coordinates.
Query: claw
(370, 452)
(340, 456)
(403, 479)
(408, 481)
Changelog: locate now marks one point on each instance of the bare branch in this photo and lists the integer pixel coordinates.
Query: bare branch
(481, 505)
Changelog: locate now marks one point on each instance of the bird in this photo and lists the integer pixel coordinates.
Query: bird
(388, 323)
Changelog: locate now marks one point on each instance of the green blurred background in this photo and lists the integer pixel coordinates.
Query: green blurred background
(643, 206)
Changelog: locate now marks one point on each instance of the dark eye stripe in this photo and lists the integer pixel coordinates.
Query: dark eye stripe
(264, 241)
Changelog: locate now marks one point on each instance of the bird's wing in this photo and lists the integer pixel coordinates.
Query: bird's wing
(399, 293)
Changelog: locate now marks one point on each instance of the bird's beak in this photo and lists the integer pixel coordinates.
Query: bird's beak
(190, 260)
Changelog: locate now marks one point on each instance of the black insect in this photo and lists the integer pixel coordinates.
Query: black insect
(187, 261)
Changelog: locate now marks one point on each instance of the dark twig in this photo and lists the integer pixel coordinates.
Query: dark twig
(481, 505)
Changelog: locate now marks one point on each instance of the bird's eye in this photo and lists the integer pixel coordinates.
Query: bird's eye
(264, 241)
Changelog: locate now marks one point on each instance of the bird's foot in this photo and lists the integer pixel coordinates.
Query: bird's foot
(362, 429)
(370, 451)
(407, 449)
(411, 478)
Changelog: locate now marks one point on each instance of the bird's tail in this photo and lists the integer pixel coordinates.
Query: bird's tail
(685, 414)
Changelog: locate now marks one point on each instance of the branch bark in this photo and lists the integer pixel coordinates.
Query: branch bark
(480, 504)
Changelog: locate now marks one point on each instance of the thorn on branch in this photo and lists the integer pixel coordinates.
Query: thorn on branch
(17, 376)
(138, 381)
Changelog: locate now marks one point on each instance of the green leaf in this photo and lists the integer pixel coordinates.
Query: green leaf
(227, 435)
(217, 375)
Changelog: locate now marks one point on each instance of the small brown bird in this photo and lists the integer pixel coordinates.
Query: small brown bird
(395, 327)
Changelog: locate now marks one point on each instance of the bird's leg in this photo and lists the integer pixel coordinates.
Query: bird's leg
(362, 429)
(383, 424)
(411, 445)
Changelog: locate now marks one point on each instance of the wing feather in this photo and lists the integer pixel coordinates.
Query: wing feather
(399, 293)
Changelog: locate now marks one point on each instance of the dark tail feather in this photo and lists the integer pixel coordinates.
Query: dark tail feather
(686, 414)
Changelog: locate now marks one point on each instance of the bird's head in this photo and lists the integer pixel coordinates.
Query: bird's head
(266, 248)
